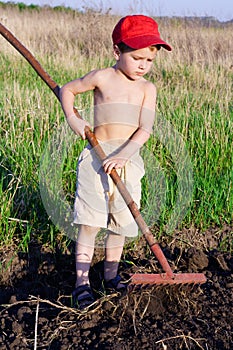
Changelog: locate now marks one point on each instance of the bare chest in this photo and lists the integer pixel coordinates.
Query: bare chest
(116, 92)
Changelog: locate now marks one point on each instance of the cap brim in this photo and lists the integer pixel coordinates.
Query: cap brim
(141, 42)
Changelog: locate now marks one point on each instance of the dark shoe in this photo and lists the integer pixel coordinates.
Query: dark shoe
(115, 285)
(82, 297)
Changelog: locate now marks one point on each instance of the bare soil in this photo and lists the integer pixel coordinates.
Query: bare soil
(36, 312)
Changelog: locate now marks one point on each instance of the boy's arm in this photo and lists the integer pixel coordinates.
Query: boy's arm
(140, 136)
(67, 97)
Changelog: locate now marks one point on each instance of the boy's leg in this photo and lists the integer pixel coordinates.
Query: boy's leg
(113, 250)
(84, 253)
(82, 296)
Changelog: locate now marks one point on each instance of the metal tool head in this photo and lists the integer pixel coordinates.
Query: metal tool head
(164, 278)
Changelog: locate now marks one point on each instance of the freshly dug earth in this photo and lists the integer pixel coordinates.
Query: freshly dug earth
(36, 310)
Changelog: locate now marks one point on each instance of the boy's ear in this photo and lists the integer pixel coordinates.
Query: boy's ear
(116, 52)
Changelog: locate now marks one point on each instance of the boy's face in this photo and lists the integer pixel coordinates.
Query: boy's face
(136, 63)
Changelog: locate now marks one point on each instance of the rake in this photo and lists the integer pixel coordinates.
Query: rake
(165, 278)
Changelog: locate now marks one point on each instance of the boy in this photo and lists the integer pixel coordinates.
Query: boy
(123, 119)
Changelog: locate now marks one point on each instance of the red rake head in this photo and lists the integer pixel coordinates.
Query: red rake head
(164, 278)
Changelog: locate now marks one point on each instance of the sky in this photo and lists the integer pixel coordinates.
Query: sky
(220, 9)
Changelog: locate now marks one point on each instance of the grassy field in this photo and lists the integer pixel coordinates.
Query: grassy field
(190, 156)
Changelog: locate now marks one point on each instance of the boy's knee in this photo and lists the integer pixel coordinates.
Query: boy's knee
(114, 239)
(86, 236)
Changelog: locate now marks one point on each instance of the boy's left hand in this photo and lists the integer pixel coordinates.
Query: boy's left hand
(113, 162)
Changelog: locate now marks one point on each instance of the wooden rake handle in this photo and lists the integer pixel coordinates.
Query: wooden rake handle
(154, 246)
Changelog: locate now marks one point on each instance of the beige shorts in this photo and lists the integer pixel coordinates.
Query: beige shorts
(98, 202)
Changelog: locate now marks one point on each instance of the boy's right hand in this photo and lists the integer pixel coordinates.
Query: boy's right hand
(77, 125)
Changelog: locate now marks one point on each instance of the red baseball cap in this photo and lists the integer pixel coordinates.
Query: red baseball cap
(138, 31)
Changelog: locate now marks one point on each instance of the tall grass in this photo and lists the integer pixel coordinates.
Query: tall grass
(194, 85)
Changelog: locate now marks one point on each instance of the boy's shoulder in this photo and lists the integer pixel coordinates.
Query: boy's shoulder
(149, 86)
(100, 74)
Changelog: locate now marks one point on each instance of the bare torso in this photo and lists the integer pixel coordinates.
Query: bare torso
(118, 102)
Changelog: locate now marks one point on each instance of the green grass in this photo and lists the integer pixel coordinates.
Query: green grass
(188, 159)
